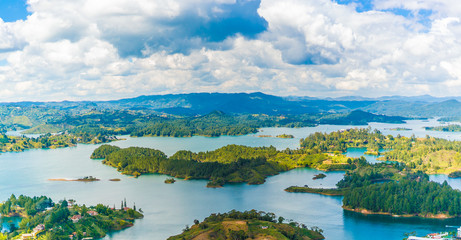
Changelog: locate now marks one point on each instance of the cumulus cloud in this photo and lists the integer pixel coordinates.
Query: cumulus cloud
(105, 49)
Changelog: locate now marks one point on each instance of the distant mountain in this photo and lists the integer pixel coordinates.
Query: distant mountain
(234, 103)
(448, 108)
(358, 117)
(259, 103)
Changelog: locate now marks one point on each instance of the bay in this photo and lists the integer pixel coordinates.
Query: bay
(168, 208)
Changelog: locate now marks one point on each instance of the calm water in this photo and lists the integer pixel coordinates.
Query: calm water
(169, 207)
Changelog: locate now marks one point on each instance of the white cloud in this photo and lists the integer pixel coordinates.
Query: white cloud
(78, 50)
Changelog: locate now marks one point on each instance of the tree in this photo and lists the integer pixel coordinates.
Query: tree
(281, 219)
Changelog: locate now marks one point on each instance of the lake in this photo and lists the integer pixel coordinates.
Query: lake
(168, 208)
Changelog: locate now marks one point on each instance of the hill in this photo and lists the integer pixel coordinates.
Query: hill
(247, 225)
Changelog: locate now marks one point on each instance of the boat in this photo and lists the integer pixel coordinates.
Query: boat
(443, 235)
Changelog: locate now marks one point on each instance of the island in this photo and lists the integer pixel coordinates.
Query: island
(401, 192)
(265, 136)
(170, 180)
(404, 188)
(41, 217)
(285, 136)
(229, 164)
(319, 176)
(321, 191)
(83, 179)
(455, 174)
(446, 128)
(247, 225)
(399, 129)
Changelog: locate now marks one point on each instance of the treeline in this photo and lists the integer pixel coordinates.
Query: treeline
(30, 205)
(447, 128)
(252, 169)
(249, 224)
(430, 155)
(341, 140)
(21, 143)
(423, 198)
(42, 217)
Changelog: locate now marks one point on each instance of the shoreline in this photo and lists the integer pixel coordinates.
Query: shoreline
(321, 191)
(72, 180)
(368, 212)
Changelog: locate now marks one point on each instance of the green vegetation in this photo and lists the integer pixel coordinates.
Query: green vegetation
(357, 117)
(430, 155)
(404, 188)
(400, 129)
(88, 179)
(247, 225)
(21, 143)
(455, 174)
(322, 191)
(170, 180)
(319, 176)
(44, 219)
(447, 128)
(407, 197)
(229, 164)
(285, 136)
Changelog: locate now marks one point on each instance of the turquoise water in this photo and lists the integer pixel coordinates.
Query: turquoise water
(169, 207)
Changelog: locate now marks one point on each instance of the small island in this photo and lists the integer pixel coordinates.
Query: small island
(42, 218)
(170, 180)
(399, 129)
(88, 179)
(265, 136)
(321, 191)
(319, 176)
(455, 174)
(446, 128)
(83, 179)
(247, 225)
(285, 136)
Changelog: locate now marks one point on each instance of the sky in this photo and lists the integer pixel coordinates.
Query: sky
(53, 50)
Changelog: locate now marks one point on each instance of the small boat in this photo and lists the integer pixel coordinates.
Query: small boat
(444, 235)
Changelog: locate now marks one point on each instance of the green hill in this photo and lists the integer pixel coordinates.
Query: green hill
(247, 225)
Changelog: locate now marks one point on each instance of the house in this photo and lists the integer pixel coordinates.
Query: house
(76, 218)
(126, 208)
(27, 236)
(39, 228)
(92, 213)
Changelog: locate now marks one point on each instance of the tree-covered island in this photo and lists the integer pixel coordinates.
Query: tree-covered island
(229, 164)
(51, 141)
(44, 219)
(446, 128)
(248, 225)
(404, 188)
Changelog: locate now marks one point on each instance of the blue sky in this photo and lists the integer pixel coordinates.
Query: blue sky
(12, 10)
(107, 49)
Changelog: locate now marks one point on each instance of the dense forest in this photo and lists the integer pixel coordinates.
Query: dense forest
(252, 169)
(446, 128)
(21, 143)
(44, 219)
(231, 163)
(248, 225)
(430, 155)
(404, 187)
(422, 198)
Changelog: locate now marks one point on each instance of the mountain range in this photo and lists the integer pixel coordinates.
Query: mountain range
(260, 103)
